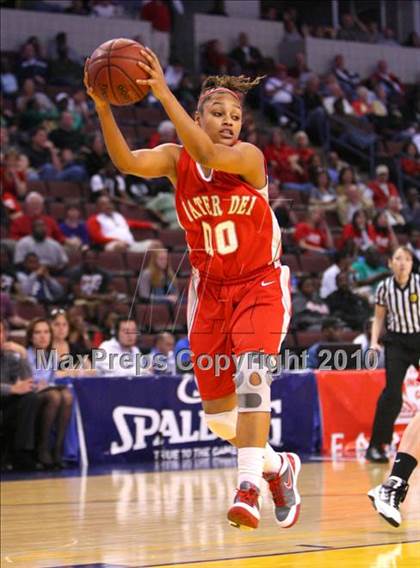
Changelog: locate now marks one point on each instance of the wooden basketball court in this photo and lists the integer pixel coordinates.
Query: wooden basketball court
(177, 518)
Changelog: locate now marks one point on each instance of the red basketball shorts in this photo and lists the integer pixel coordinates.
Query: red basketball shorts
(226, 319)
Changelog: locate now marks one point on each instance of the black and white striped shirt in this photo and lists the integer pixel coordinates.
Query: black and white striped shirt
(402, 304)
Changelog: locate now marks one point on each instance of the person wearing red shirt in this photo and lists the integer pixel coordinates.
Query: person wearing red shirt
(157, 12)
(383, 235)
(304, 152)
(361, 105)
(282, 159)
(34, 209)
(13, 175)
(314, 235)
(410, 161)
(358, 231)
(382, 188)
(165, 134)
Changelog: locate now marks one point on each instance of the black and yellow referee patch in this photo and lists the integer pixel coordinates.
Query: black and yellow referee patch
(413, 298)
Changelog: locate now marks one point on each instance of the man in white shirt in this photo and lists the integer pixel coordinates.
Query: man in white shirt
(120, 355)
(343, 261)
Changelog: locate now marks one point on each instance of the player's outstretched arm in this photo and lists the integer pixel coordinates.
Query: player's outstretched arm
(157, 162)
(242, 159)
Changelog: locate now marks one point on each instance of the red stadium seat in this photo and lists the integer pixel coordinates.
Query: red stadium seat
(38, 186)
(75, 258)
(180, 263)
(305, 339)
(153, 317)
(291, 261)
(57, 210)
(148, 115)
(111, 261)
(180, 318)
(124, 115)
(136, 261)
(120, 284)
(315, 263)
(64, 190)
(173, 239)
(30, 311)
(138, 213)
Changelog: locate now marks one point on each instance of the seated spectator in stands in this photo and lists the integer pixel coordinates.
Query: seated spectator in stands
(347, 306)
(56, 401)
(330, 333)
(395, 216)
(112, 361)
(50, 252)
(78, 8)
(165, 134)
(322, 193)
(36, 283)
(67, 353)
(214, 60)
(300, 70)
(8, 279)
(13, 174)
(284, 163)
(343, 261)
(30, 93)
(163, 206)
(74, 229)
(379, 105)
(353, 200)
(410, 161)
(313, 234)
(384, 238)
(79, 332)
(8, 312)
(390, 82)
(43, 155)
(388, 37)
(334, 167)
(174, 74)
(308, 308)
(12, 208)
(34, 210)
(32, 66)
(361, 104)
(103, 8)
(8, 81)
(316, 115)
(335, 102)
(64, 71)
(352, 29)
(282, 207)
(348, 80)
(157, 282)
(413, 40)
(90, 285)
(183, 354)
(106, 330)
(162, 354)
(303, 150)
(248, 57)
(359, 232)
(71, 168)
(347, 178)
(382, 188)
(108, 182)
(364, 340)
(368, 272)
(95, 155)
(111, 230)
(19, 405)
(65, 136)
(278, 91)
(411, 210)
(59, 46)
(291, 32)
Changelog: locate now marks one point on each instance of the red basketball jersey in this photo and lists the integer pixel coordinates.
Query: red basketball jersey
(231, 230)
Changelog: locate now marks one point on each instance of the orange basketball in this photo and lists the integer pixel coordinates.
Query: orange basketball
(113, 70)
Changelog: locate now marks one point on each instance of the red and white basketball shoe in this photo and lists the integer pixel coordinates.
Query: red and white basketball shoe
(245, 511)
(284, 491)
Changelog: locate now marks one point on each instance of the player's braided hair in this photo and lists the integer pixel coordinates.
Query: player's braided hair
(239, 85)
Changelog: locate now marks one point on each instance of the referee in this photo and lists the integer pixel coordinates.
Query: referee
(397, 299)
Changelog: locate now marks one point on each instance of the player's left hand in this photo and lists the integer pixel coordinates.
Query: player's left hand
(156, 81)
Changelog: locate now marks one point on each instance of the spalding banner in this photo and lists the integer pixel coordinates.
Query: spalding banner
(161, 418)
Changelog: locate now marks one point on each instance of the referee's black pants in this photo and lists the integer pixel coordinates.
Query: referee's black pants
(401, 351)
(19, 413)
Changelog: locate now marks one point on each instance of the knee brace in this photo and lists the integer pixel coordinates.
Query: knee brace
(253, 381)
(223, 424)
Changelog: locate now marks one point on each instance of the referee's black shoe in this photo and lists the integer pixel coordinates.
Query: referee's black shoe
(376, 455)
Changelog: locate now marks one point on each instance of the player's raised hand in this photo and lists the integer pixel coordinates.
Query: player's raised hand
(99, 102)
(152, 67)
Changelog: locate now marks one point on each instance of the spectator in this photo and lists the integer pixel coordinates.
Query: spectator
(308, 308)
(166, 133)
(353, 200)
(382, 188)
(394, 215)
(390, 82)
(8, 312)
(183, 354)
(336, 102)
(19, 405)
(369, 271)
(303, 150)
(95, 156)
(384, 238)
(410, 161)
(50, 252)
(158, 14)
(74, 229)
(103, 8)
(163, 206)
(323, 194)
(347, 178)
(68, 354)
(90, 285)
(32, 66)
(13, 175)
(214, 60)
(107, 329)
(343, 261)
(247, 56)
(388, 37)
(78, 329)
(34, 210)
(284, 164)
(162, 354)
(56, 401)
(8, 80)
(157, 282)
(352, 29)
(78, 8)
(8, 279)
(316, 115)
(347, 306)
(314, 234)
(361, 105)
(411, 210)
(359, 231)
(111, 361)
(364, 340)
(413, 40)
(300, 71)
(43, 155)
(109, 229)
(58, 47)
(282, 207)
(278, 91)
(174, 74)
(64, 71)
(29, 93)
(71, 169)
(108, 182)
(37, 283)
(65, 136)
(330, 333)
(334, 167)
(348, 80)
(291, 32)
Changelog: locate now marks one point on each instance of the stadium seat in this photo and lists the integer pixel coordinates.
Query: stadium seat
(332, 219)
(305, 339)
(180, 263)
(147, 340)
(180, 318)
(111, 261)
(143, 234)
(124, 115)
(120, 284)
(138, 213)
(153, 317)
(173, 239)
(57, 210)
(291, 197)
(291, 261)
(148, 115)
(75, 258)
(30, 311)
(144, 133)
(135, 262)
(64, 190)
(38, 186)
(90, 209)
(347, 336)
(315, 263)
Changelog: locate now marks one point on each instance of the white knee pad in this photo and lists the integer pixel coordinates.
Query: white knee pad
(253, 381)
(223, 424)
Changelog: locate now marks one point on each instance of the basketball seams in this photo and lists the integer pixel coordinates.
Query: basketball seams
(109, 71)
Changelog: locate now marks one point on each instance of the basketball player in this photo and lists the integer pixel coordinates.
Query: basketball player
(239, 300)
(386, 498)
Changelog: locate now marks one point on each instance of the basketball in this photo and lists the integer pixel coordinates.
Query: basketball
(113, 70)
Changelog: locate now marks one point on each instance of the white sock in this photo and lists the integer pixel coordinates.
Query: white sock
(273, 462)
(250, 465)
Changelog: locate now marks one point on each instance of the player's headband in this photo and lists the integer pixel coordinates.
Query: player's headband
(210, 92)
